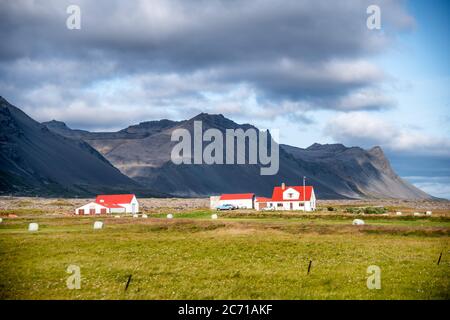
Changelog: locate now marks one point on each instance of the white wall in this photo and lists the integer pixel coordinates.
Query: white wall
(296, 205)
(214, 202)
(291, 193)
(92, 205)
(129, 206)
(245, 203)
(260, 205)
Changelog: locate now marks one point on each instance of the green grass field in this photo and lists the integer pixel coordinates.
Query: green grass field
(234, 257)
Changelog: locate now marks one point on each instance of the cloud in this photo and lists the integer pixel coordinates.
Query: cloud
(436, 186)
(174, 57)
(366, 129)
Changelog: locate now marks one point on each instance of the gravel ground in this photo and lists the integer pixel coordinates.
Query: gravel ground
(54, 205)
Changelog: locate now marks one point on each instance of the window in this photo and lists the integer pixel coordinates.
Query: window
(290, 194)
(279, 204)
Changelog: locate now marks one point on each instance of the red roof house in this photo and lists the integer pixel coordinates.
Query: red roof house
(112, 203)
(288, 198)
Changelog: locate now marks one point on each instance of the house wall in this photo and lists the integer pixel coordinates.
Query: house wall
(214, 202)
(89, 206)
(260, 205)
(129, 206)
(290, 194)
(241, 203)
(296, 205)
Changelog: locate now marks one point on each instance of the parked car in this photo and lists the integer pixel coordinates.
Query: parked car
(225, 207)
(268, 209)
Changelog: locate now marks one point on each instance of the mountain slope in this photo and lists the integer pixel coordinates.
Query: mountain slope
(37, 161)
(355, 170)
(142, 152)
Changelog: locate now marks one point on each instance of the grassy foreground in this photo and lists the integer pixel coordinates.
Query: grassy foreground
(229, 258)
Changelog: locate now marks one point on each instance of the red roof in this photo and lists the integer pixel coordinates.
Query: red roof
(114, 198)
(262, 199)
(237, 196)
(278, 193)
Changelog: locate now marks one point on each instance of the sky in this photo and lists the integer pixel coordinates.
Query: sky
(312, 69)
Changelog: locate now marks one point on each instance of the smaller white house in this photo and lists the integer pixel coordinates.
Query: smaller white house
(114, 203)
(239, 200)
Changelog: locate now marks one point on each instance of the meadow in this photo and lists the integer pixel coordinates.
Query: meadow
(241, 255)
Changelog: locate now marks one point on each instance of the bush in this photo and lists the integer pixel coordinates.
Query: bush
(375, 210)
(367, 210)
(353, 210)
(331, 209)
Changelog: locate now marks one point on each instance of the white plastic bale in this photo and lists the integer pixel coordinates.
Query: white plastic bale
(1, 220)
(98, 225)
(33, 226)
(144, 216)
(358, 222)
(135, 216)
(429, 213)
(170, 216)
(398, 213)
(417, 214)
(214, 216)
(116, 216)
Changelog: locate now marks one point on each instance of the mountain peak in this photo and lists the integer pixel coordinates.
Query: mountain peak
(207, 116)
(378, 153)
(327, 147)
(56, 124)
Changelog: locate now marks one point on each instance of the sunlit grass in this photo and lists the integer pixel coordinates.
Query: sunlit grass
(194, 257)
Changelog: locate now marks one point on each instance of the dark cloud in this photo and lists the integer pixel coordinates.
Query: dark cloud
(173, 57)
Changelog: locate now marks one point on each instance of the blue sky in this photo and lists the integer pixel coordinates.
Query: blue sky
(310, 68)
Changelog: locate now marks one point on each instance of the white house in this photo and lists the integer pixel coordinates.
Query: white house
(114, 203)
(240, 200)
(289, 198)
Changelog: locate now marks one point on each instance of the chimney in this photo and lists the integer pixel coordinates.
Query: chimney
(283, 186)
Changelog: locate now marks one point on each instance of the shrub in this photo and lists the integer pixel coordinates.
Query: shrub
(375, 210)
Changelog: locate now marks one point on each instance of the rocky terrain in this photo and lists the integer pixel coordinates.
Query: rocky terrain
(142, 152)
(37, 161)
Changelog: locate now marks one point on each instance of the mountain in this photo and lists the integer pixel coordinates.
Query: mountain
(142, 152)
(36, 161)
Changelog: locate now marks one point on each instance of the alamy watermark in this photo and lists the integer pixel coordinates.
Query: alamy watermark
(231, 149)
(73, 21)
(374, 19)
(74, 280)
(374, 280)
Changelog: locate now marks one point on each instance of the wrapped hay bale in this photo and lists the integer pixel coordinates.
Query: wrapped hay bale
(170, 216)
(214, 216)
(98, 225)
(144, 216)
(33, 226)
(358, 222)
